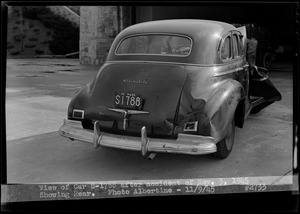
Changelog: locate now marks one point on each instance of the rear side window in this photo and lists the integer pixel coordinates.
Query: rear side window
(236, 49)
(226, 49)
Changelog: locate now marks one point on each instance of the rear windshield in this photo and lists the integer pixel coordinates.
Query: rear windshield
(173, 45)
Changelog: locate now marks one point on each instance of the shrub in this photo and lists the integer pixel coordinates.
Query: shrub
(32, 39)
(45, 42)
(14, 52)
(36, 30)
(75, 9)
(10, 46)
(15, 28)
(17, 38)
(31, 25)
(19, 22)
(39, 51)
(16, 11)
(30, 12)
(65, 33)
(30, 46)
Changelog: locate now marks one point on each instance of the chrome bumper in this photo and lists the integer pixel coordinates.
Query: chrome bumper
(184, 144)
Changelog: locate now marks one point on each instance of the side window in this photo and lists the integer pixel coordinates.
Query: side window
(225, 49)
(236, 49)
(241, 45)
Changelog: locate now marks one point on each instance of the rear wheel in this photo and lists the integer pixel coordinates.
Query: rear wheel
(224, 147)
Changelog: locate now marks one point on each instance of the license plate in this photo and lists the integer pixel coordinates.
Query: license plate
(128, 100)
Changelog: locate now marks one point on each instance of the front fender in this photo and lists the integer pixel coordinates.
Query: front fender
(221, 106)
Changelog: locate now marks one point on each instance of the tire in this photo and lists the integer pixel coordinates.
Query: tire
(225, 146)
(267, 60)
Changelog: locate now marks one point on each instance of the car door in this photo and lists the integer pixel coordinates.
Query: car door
(261, 90)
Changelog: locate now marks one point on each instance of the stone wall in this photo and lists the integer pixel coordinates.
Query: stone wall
(99, 25)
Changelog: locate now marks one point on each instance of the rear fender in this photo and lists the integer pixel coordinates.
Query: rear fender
(221, 106)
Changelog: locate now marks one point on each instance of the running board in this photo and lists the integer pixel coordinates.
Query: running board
(256, 100)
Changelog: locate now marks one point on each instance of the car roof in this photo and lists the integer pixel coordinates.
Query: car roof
(206, 36)
(190, 27)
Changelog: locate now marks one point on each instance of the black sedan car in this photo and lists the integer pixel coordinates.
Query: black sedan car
(177, 86)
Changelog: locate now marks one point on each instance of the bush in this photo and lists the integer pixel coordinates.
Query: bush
(31, 25)
(15, 11)
(32, 39)
(65, 33)
(45, 42)
(17, 37)
(10, 46)
(75, 9)
(14, 52)
(39, 51)
(30, 46)
(31, 12)
(19, 22)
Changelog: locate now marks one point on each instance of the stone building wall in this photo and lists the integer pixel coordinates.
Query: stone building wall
(99, 25)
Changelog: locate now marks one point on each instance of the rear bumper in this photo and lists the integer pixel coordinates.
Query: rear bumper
(184, 144)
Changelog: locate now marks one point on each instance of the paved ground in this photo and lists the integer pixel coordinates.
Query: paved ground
(37, 95)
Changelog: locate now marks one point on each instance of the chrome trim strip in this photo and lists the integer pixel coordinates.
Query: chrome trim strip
(258, 101)
(127, 112)
(160, 62)
(227, 72)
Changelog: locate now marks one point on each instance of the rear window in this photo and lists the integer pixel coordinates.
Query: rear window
(173, 45)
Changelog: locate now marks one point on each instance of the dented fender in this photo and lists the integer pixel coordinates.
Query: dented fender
(221, 106)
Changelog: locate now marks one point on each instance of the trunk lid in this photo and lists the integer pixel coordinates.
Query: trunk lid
(155, 87)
